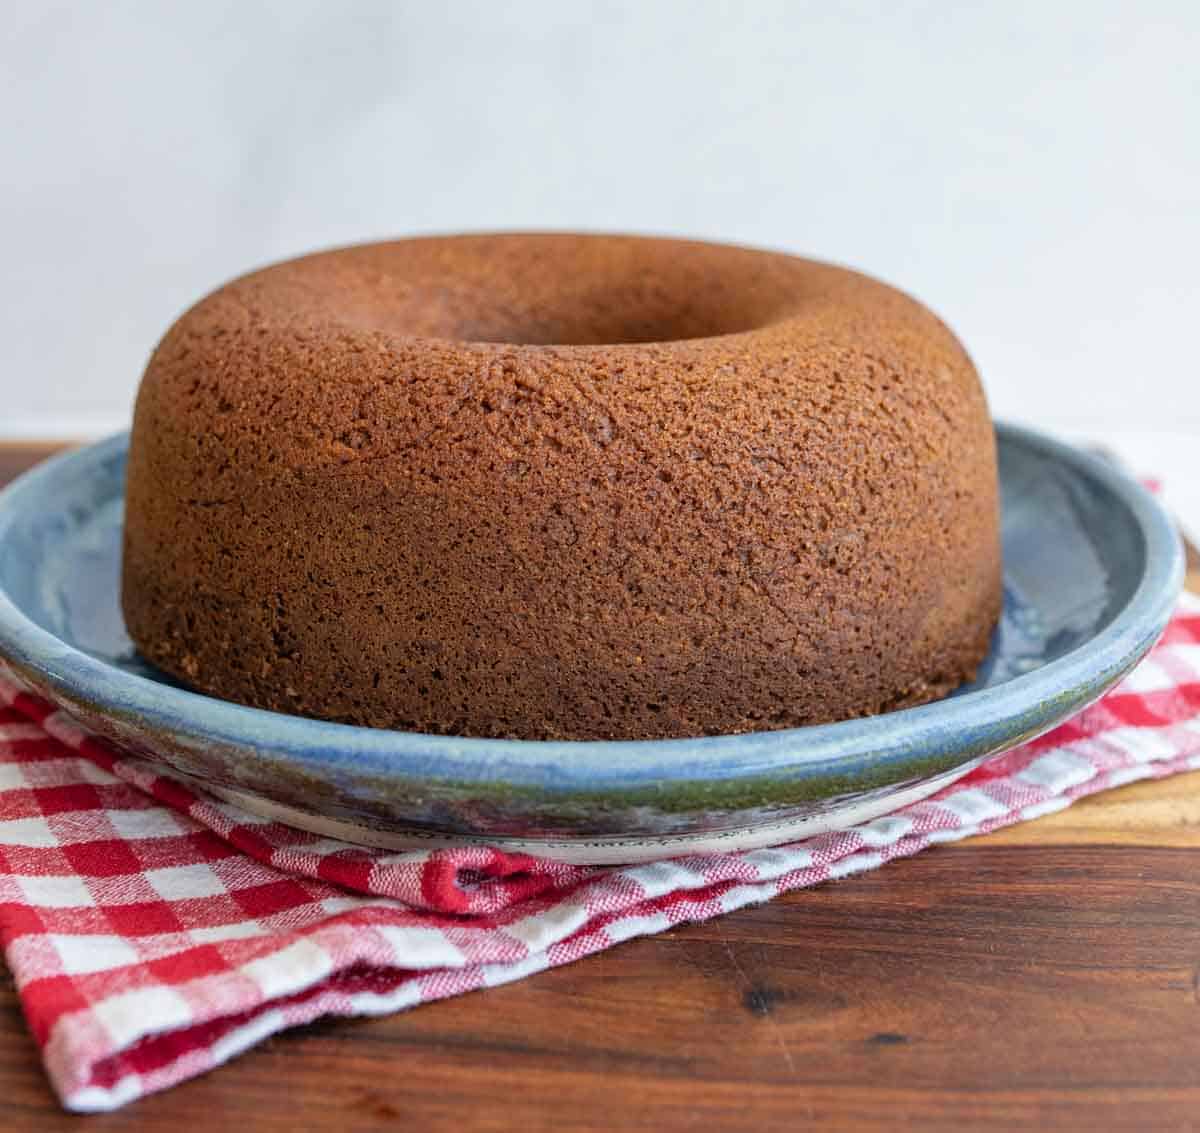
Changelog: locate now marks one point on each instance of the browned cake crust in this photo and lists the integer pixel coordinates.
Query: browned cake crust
(562, 486)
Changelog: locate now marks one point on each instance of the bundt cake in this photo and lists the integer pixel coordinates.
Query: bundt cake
(562, 486)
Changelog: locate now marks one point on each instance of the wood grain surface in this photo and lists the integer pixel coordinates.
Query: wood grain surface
(1045, 976)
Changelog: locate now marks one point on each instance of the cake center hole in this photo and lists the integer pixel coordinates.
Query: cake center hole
(575, 291)
(598, 317)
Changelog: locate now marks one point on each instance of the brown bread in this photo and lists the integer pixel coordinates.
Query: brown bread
(556, 486)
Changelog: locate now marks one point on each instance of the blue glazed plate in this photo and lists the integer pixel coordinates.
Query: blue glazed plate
(1092, 569)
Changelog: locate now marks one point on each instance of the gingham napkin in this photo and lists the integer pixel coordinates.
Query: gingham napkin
(153, 932)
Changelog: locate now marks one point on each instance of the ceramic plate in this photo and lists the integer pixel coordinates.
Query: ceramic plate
(1092, 569)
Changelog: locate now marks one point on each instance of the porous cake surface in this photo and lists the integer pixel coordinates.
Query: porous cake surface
(555, 486)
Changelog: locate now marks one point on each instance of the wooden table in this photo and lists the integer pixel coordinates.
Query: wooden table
(1046, 975)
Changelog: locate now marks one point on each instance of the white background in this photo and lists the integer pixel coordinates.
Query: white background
(1032, 171)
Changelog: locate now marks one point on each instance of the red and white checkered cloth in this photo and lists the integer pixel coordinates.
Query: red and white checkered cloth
(153, 932)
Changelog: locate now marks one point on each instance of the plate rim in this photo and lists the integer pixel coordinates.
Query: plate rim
(1013, 711)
